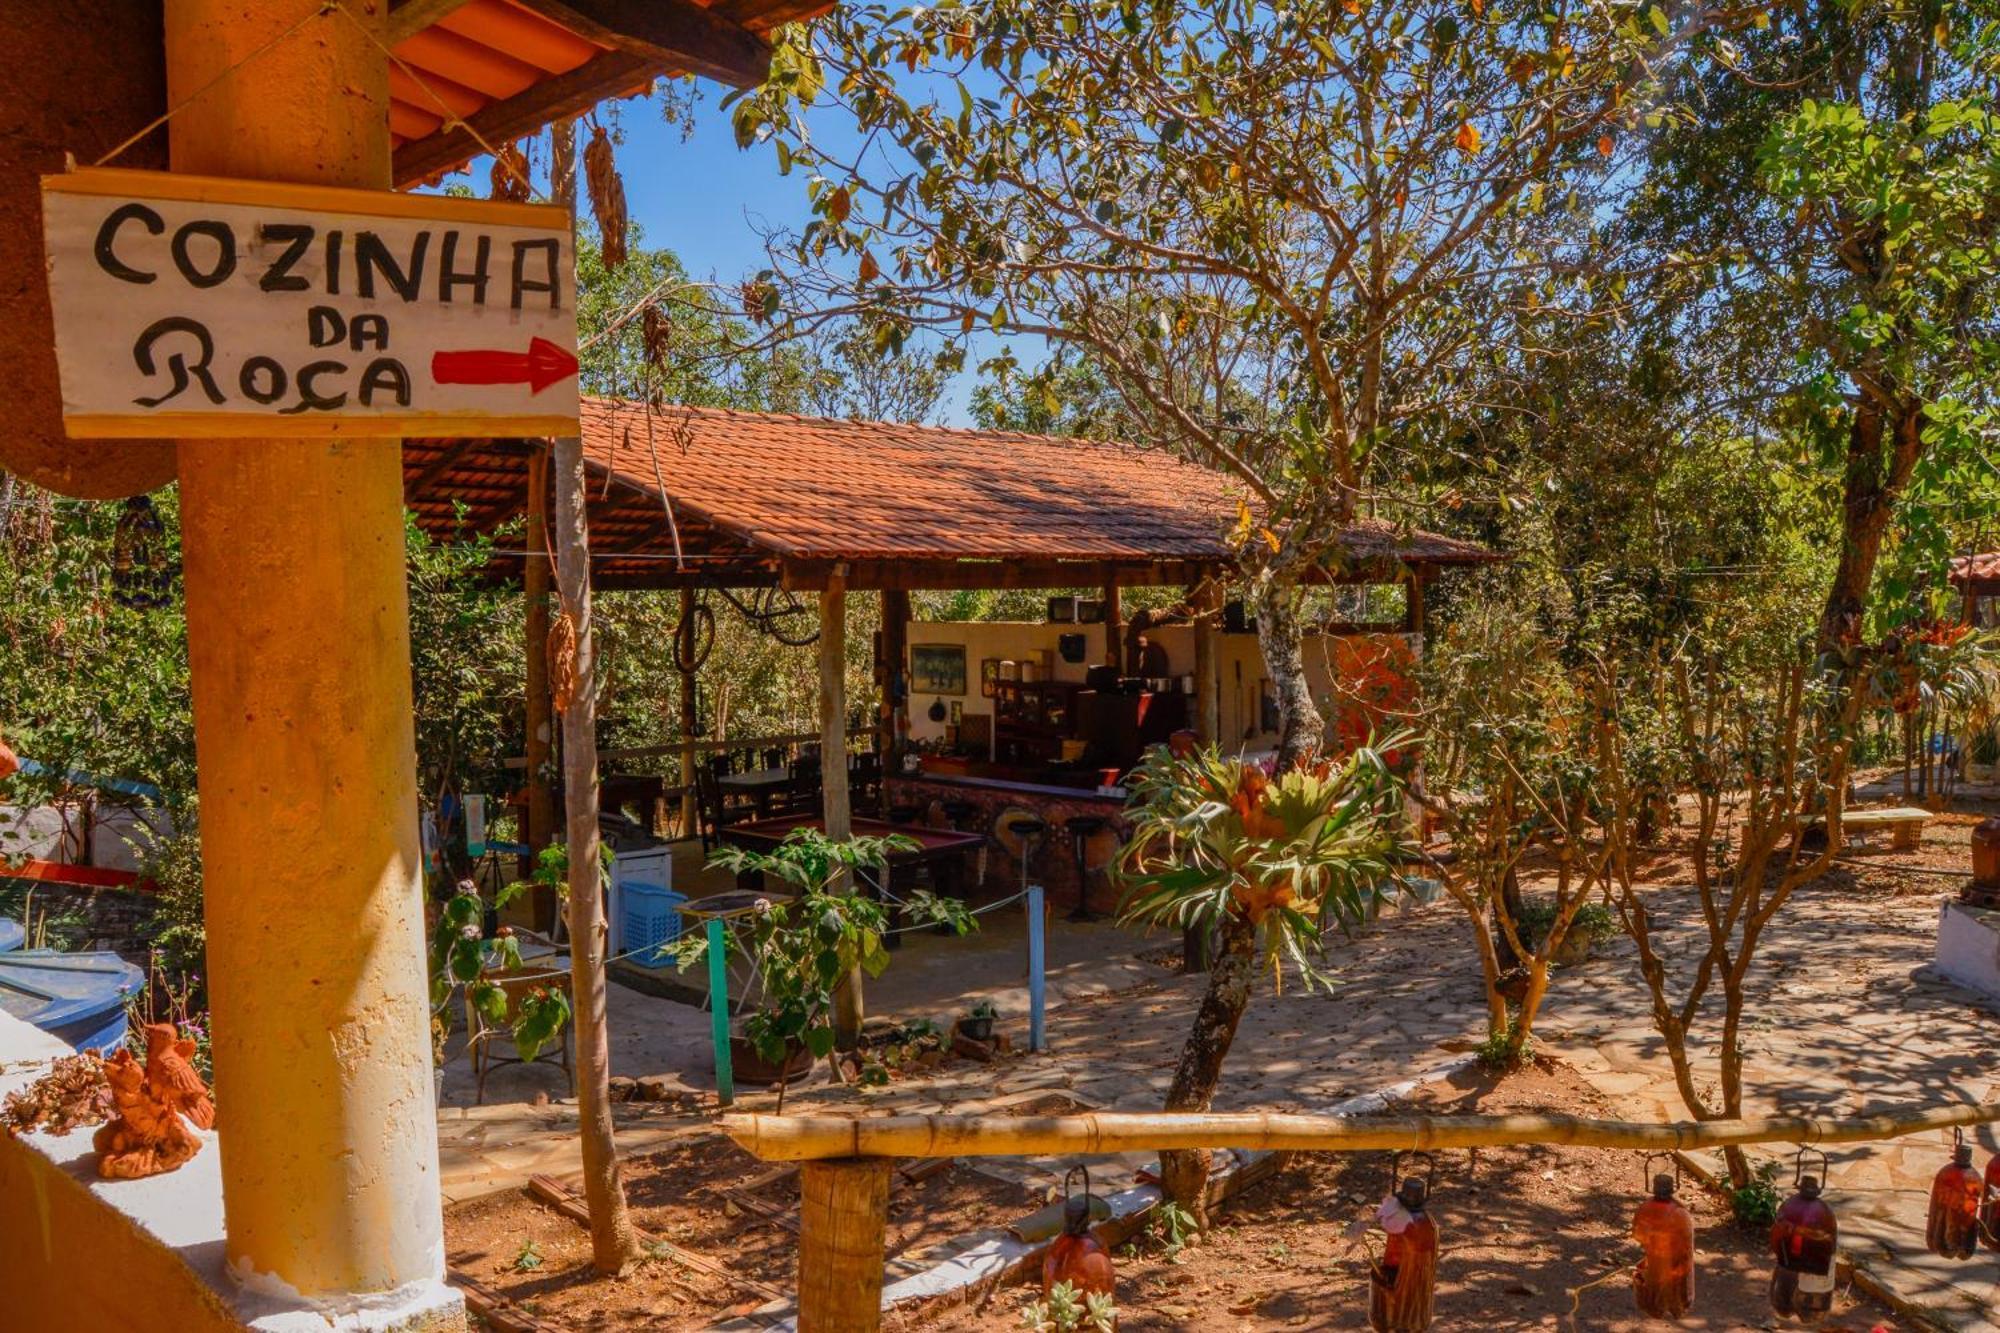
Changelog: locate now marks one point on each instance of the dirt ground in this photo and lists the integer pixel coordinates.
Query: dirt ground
(709, 1197)
(1520, 1227)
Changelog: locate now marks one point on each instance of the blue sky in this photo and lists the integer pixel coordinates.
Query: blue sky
(710, 202)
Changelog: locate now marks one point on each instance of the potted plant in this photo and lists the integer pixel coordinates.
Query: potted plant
(977, 1022)
(804, 946)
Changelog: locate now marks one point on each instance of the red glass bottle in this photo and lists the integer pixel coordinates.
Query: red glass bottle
(1989, 1211)
(1804, 1239)
(1663, 1282)
(1078, 1257)
(1952, 1227)
(1401, 1287)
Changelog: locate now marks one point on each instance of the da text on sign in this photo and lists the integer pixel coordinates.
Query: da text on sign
(194, 306)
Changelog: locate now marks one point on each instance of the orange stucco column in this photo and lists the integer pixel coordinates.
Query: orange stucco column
(298, 637)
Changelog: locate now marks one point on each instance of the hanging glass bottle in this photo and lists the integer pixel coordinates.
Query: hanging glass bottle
(1951, 1229)
(1804, 1239)
(1077, 1257)
(1401, 1288)
(1663, 1282)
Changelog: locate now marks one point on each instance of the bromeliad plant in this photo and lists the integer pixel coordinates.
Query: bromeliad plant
(460, 956)
(1264, 864)
(806, 946)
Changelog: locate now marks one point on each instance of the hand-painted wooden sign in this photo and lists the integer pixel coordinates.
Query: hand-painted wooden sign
(194, 306)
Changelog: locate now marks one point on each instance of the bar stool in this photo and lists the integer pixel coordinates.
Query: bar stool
(1082, 828)
(963, 817)
(1026, 833)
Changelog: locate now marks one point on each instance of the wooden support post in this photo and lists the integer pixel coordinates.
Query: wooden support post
(843, 1212)
(539, 821)
(1414, 618)
(848, 1005)
(690, 721)
(1114, 630)
(893, 711)
(1207, 718)
(718, 1007)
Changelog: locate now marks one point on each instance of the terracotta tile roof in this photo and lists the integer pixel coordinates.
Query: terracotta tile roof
(750, 491)
(809, 488)
(1984, 567)
(813, 488)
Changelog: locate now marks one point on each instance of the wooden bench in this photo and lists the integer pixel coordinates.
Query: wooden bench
(1904, 822)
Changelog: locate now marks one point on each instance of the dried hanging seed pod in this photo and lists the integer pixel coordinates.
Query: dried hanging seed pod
(655, 335)
(509, 178)
(607, 196)
(562, 660)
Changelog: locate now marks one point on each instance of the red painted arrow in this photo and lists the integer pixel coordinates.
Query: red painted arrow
(541, 365)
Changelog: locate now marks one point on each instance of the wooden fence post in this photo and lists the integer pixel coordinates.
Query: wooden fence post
(843, 1211)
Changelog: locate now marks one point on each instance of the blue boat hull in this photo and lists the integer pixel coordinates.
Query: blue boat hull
(79, 997)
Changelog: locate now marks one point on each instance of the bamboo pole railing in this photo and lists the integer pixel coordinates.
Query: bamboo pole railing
(845, 1161)
(798, 1138)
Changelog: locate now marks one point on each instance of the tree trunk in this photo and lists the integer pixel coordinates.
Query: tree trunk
(612, 1241)
(1874, 481)
(1184, 1173)
(1302, 731)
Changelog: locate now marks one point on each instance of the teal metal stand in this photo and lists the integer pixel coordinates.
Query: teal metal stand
(718, 1009)
(1038, 1036)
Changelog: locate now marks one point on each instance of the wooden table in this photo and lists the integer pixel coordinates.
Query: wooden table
(759, 784)
(943, 850)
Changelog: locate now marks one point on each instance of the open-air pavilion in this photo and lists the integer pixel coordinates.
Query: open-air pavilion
(689, 500)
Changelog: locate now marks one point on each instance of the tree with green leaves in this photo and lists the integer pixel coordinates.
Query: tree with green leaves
(1841, 181)
(1284, 235)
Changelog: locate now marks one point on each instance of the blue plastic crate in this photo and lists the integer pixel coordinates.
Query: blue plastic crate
(650, 917)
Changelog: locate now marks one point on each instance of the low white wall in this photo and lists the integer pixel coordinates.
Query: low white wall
(1968, 948)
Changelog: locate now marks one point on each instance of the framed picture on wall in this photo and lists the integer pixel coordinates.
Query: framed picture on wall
(937, 668)
(957, 712)
(989, 677)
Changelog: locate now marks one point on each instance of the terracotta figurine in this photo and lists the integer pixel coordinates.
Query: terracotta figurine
(148, 1136)
(171, 1076)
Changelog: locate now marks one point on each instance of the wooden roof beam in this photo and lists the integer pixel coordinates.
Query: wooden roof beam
(522, 115)
(409, 17)
(669, 34)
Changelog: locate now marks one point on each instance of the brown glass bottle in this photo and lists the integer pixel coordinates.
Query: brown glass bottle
(1804, 1239)
(1952, 1227)
(1401, 1287)
(1663, 1282)
(1078, 1257)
